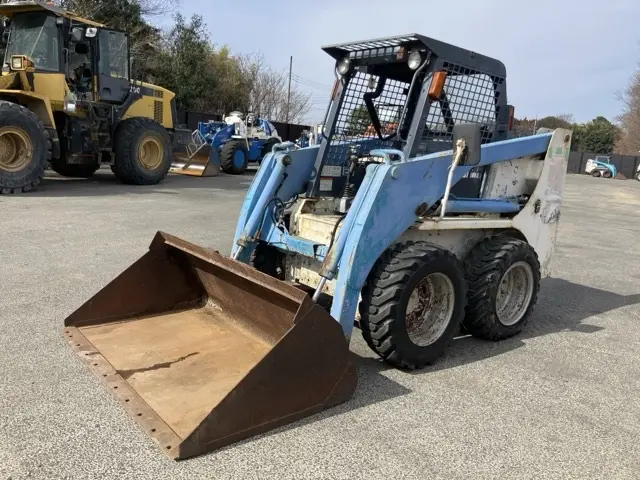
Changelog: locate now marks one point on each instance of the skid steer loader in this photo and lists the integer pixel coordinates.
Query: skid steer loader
(441, 224)
(66, 99)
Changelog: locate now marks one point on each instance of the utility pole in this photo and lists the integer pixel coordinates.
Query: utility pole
(289, 91)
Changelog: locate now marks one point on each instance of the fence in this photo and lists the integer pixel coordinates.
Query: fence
(286, 131)
(625, 164)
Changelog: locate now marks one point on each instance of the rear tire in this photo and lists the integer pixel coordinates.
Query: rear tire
(503, 274)
(142, 152)
(421, 276)
(234, 157)
(596, 173)
(25, 149)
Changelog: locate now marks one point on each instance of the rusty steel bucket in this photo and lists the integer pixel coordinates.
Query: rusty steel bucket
(204, 351)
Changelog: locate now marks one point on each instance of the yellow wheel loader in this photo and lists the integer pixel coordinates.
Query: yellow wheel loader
(67, 99)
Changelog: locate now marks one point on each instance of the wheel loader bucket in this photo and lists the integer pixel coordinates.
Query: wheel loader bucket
(198, 159)
(204, 351)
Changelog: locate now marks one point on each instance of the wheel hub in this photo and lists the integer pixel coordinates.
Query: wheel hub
(16, 149)
(150, 153)
(429, 309)
(514, 293)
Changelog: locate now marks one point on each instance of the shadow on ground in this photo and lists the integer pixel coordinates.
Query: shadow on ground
(104, 183)
(562, 306)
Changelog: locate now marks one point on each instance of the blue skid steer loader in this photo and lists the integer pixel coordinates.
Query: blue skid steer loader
(440, 223)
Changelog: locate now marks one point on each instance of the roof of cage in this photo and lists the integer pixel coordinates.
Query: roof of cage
(443, 50)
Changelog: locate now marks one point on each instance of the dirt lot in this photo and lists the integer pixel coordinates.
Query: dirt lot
(559, 401)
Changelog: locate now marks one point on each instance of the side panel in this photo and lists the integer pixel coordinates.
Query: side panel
(156, 103)
(51, 85)
(538, 220)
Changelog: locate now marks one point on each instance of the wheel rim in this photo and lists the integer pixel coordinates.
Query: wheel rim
(16, 149)
(514, 293)
(238, 159)
(150, 153)
(429, 309)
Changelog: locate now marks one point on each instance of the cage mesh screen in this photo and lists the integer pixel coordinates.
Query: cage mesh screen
(468, 96)
(353, 121)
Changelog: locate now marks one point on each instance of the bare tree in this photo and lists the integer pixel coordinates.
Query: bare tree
(628, 142)
(268, 91)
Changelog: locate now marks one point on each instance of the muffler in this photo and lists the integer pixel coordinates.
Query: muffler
(204, 351)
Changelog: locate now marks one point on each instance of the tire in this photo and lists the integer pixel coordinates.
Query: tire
(234, 157)
(607, 174)
(147, 167)
(73, 170)
(387, 295)
(638, 176)
(19, 125)
(485, 267)
(267, 147)
(596, 173)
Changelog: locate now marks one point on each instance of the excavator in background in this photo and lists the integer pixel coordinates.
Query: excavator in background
(443, 223)
(67, 100)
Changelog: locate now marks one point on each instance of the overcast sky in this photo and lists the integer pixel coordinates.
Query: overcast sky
(562, 56)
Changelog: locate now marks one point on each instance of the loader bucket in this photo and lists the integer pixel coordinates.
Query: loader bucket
(201, 162)
(204, 351)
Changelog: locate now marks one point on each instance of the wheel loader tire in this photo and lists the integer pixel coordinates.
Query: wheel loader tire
(25, 149)
(234, 157)
(73, 170)
(503, 275)
(395, 283)
(142, 152)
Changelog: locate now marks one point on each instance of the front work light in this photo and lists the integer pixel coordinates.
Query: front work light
(344, 65)
(415, 59)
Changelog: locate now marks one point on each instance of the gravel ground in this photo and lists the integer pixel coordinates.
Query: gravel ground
(559, 401)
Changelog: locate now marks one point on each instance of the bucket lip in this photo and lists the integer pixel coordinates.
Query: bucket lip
(146, 418)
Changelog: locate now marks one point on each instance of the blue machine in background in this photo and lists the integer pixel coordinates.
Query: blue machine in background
(228, 145)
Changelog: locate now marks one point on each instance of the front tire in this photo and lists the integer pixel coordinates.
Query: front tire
(412, 304)
(607, 174)
(142, 152)
(596, 173)
(234, 157)
(503, 274)
(25, 149)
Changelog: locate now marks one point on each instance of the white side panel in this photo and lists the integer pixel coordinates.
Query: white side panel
(513, 178)
(538, 220)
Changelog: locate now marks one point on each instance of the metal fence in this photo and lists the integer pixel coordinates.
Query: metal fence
(625, 164)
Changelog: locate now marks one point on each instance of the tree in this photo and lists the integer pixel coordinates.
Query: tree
(183, 63)
(597, 136)
(628, 141)
(268, 91)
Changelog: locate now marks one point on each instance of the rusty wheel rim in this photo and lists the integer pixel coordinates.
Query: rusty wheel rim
(16, 149)
(150, 153)
(430, 309)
